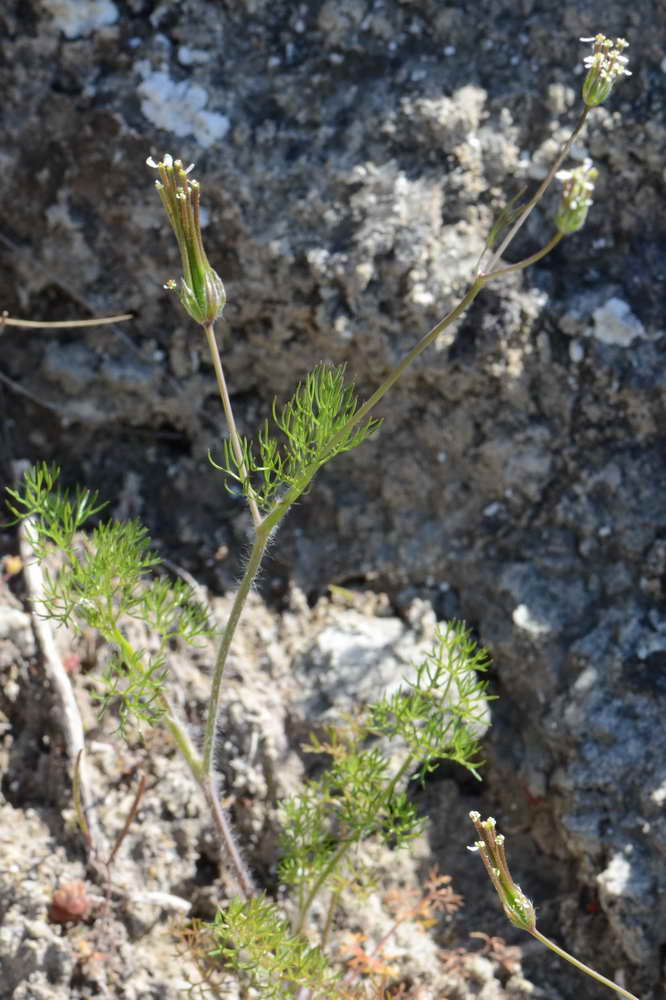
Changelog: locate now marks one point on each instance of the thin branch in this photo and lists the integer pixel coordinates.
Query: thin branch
(592, 973)
(541, 190)
(6, 320)
(129, 819)
(18, 388)
(211, 728)
(528, 261)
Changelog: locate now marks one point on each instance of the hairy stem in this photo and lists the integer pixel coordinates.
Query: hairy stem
(209, 789)
(203, 779)
(265, 526)
(581, 965)
(251, 570)
(275, 516)
(411, 356)
(223, 827)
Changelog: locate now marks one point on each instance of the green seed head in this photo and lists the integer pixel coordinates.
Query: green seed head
(605, 67)
(576, 197)
(515, 903)
(201, 290)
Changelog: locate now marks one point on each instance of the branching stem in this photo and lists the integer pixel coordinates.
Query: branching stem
(528, 261)
(541, 190)
(181, 739)
(264, 526)
(231, 423)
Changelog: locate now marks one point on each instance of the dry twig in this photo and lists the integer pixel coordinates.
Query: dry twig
(55, 671)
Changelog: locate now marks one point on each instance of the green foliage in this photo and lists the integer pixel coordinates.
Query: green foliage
(254, 941)
(133, 683)
(101, 579)
(362, 792)
(436, 713)
(60, 517)
(314, 426)
(354, 799)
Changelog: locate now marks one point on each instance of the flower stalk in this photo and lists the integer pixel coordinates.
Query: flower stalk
(516, 905)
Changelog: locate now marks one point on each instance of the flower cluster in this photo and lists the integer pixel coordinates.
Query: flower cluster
(201, 291)
(576, 197)
(605, 67)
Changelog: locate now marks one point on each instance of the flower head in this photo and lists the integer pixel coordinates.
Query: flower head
(515, 903)
(605, 67)
(201, 291)
(576, 196)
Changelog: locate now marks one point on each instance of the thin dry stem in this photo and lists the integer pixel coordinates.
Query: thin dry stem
(6, 320)
(55, 671)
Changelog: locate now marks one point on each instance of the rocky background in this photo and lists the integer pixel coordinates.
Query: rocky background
(352, 154)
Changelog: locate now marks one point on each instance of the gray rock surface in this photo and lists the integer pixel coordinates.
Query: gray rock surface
(352, 156)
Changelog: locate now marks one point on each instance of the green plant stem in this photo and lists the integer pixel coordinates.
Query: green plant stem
(522, 218)
(170, 719)
(182, 740)
(210, 792)
(274, 517)
(251, 570)
(411, 356)
(335, 861)
(264, 527)
(528, 261)
(318, 883)
(271, 521)
(330, 912)
(203, 779)
(231, 423)
(581, 966)
(399, 774)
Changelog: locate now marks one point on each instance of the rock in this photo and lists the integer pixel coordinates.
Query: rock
(352, 158)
